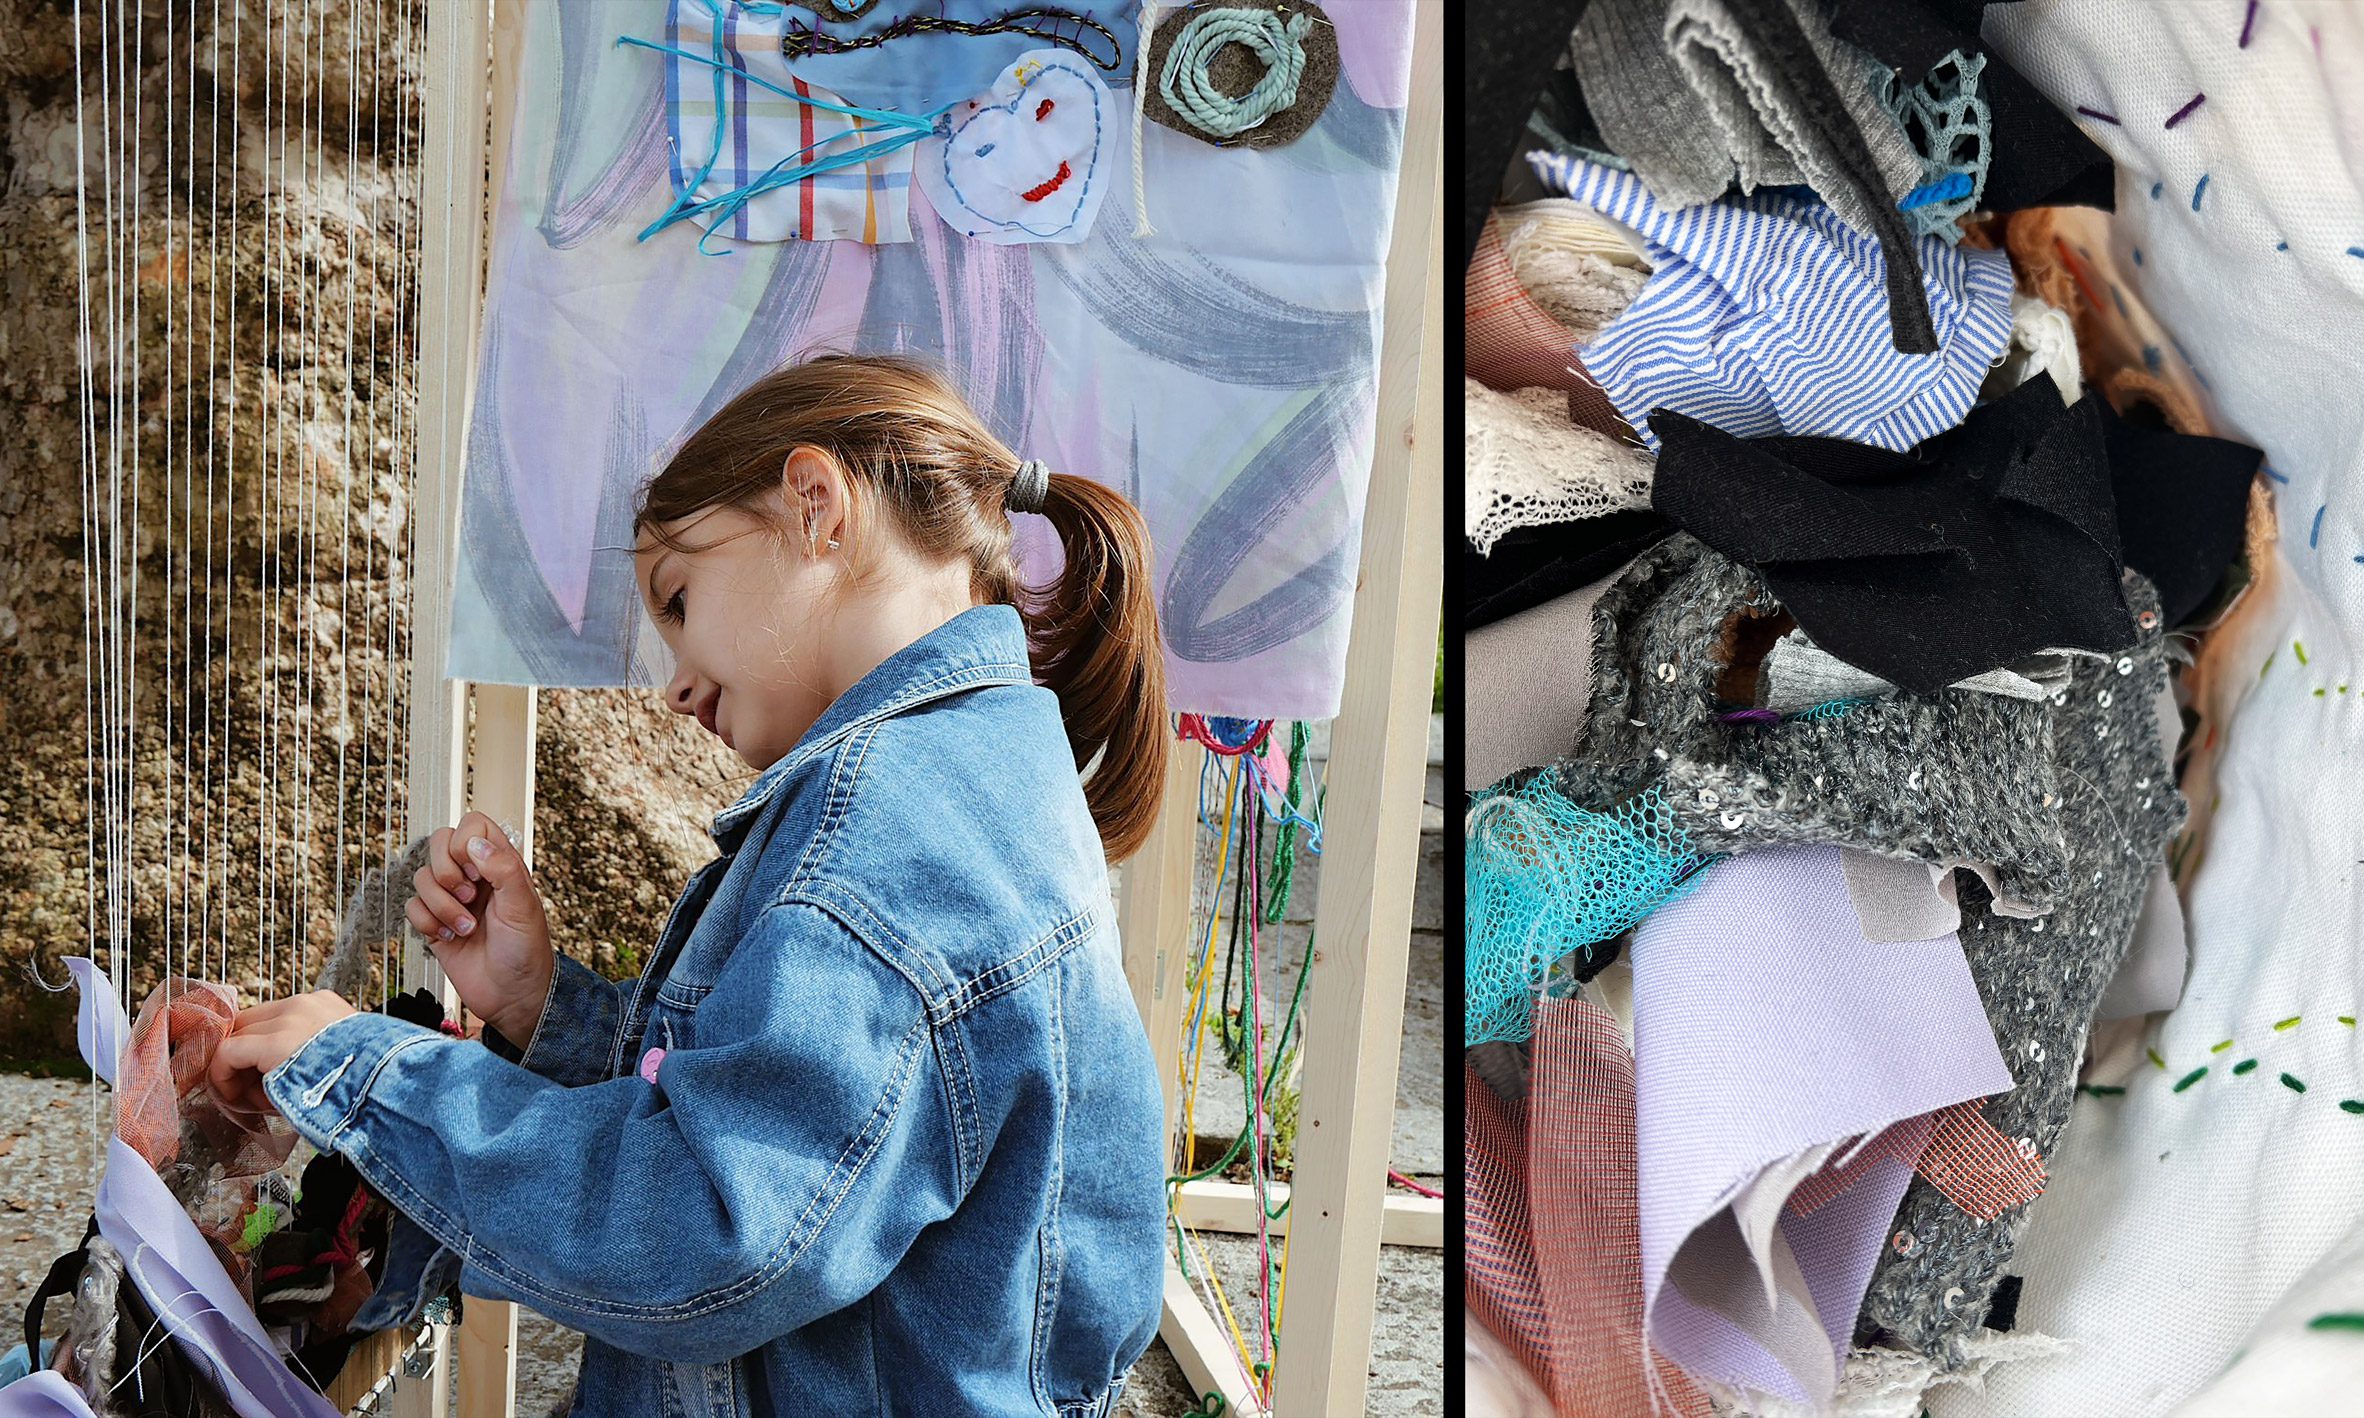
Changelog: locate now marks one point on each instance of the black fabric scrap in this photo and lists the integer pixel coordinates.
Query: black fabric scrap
(1977, 549)
(1531, 565)
(2183, 505)
(2037, 158)
(2002, 1311)
(1509, 49)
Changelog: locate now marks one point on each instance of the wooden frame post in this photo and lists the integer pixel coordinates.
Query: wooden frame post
(451, 297)
(1371, 837)
(1378, 770)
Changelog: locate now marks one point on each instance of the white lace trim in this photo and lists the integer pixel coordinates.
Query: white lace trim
(1529, 466)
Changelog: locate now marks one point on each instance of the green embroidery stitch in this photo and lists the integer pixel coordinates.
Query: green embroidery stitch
(2191, 1078)
(2245, 1066)
(2290, 1023)
(2293, 1084)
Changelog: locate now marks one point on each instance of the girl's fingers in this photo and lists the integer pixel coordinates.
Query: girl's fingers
(423, 920)
(451, 917)
(477, 826)
(441, 861)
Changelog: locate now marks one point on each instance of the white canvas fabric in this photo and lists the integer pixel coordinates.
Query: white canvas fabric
(2180, 1220)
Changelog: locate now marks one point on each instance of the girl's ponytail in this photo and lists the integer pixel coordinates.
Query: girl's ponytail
(1093, 632)
(916, 453)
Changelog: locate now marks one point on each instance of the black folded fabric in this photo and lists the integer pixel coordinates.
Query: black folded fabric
(1975, 550)
(1531, 565)
(1998, 539)
(2037, 158)
(1509, 47)
(2183, 505)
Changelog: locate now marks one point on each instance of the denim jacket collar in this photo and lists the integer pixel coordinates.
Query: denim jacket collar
(983, 645)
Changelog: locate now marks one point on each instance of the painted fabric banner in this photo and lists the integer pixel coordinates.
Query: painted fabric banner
(1220, 371)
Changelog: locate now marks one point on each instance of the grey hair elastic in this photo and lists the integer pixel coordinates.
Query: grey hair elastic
(1028, 489)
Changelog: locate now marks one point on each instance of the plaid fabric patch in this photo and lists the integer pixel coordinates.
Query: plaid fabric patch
(762, 130)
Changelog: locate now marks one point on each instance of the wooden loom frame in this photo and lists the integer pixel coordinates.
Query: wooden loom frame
(1378, 764)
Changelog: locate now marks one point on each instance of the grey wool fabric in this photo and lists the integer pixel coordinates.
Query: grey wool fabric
(2042, 980)
(1794, 104)
(1955, 778)
(1644, 106)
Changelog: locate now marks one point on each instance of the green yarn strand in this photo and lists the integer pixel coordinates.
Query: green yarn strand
(1185, 83)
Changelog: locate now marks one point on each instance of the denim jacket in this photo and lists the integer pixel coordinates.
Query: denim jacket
(876, 1132)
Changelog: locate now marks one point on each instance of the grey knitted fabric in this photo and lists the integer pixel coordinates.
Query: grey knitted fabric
(1644, 106)
(1733, 68)
(1953, 778)
(2041, 981)
(374, 914)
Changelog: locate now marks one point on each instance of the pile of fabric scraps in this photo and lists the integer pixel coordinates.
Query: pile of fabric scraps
(1860, 578)
(301, 1251)
(197, 1215)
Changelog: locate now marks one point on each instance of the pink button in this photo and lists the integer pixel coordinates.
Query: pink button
(648, 1065)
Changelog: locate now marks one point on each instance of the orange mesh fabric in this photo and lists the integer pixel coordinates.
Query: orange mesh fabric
(1587, 1241)
(1977, 1168)
(1903, 1142)
(165, 1111)
(1504, 1290)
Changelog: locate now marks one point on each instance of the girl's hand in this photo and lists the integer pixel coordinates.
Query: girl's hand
(477, 908)
(263, 1038)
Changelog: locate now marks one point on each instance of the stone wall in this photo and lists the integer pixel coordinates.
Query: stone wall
(273, 267)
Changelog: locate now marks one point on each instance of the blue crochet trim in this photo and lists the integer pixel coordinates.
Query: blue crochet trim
(1949, 126)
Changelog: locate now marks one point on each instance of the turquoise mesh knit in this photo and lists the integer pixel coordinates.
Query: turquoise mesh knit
(1546, 878)
(1948, 125)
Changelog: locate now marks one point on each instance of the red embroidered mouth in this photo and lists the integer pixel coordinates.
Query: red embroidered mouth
(1036, 194)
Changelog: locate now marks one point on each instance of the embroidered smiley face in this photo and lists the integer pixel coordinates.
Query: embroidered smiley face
(1022, 163)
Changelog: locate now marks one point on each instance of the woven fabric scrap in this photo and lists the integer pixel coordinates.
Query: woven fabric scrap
(1766, 1026)
(1714, 334)
(744, 108)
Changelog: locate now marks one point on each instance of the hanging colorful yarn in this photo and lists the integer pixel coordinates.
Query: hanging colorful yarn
(1187, 87)
(1546, 878)
(1949, 126)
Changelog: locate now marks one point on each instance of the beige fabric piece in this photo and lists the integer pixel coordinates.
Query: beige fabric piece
(1525, 678)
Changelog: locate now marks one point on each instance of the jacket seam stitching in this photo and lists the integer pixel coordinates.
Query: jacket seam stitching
(784, 1257)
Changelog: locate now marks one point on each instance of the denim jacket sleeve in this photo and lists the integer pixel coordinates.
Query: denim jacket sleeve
(577, 1034)
(793, 1144)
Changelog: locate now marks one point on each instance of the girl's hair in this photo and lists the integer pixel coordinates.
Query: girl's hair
(915, 453)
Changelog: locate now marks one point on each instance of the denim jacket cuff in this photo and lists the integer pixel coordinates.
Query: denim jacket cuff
(321, 1087)
(418, 1268)
(575, 1040)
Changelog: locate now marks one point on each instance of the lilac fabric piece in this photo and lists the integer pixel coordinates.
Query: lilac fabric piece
(43, 1393)
(177, 1272)
(1766, 1024)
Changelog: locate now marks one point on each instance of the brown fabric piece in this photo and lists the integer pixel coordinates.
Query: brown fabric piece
(1236, 69)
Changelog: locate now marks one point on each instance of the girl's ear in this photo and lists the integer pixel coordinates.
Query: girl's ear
(815, 489)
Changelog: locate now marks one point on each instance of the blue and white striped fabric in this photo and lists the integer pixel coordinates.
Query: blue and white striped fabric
(1768, 315)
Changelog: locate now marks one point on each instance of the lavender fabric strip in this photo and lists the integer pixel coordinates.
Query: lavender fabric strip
(1765, 1024)
(43, 1393)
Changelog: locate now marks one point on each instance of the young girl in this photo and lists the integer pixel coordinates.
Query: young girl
(878, 1129)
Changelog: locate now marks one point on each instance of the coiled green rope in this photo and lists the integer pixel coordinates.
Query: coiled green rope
(1187, 87)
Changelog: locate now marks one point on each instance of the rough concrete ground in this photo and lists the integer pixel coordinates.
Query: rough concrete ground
(48, 1168)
